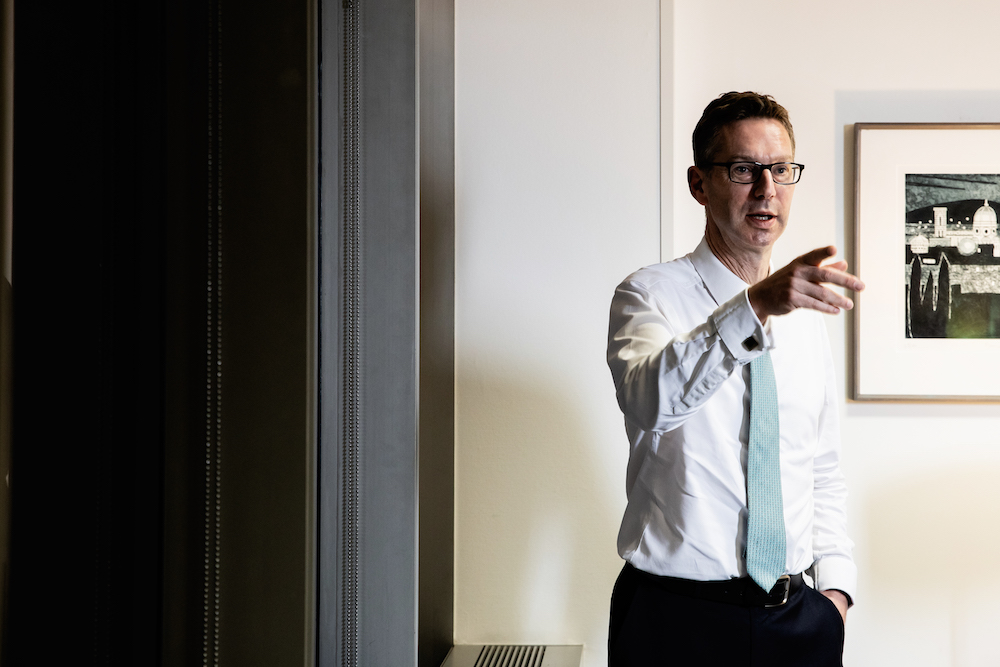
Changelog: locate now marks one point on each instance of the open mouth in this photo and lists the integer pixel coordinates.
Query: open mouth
(761, 217)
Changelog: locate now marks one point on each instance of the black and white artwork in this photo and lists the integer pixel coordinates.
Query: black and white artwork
(930, 333)
(952, 269)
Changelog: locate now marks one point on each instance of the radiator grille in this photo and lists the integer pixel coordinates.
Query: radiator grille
(511, 656)
(514, 655)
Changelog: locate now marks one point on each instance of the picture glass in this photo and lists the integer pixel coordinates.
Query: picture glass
(951, 278)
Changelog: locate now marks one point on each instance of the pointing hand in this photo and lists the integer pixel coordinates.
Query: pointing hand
(800, 284)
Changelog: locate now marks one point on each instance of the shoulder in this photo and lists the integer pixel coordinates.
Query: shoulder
(678, 274)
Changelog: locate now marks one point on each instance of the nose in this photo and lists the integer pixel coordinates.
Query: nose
(764, 188)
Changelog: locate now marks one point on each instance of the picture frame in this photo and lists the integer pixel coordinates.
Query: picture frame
(927, 325)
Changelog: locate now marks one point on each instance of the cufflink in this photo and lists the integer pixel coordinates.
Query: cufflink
(750, 344)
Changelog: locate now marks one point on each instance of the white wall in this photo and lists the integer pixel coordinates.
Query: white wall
(558, 199)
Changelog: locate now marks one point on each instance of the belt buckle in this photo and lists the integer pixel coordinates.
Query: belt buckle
(787, 581)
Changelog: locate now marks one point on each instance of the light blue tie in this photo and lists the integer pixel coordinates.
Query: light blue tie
(766, 521)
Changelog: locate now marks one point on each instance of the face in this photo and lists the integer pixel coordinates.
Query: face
(745, 219)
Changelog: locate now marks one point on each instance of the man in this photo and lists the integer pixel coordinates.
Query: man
(724, 373)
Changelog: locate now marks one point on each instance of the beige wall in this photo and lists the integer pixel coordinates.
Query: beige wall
(558, 187)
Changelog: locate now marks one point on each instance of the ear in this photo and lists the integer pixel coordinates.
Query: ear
(696, 184)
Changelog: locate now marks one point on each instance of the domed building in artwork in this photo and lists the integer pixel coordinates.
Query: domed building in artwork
(984, 222)
(967, 241)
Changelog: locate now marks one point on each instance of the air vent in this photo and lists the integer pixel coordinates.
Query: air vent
(513, 655)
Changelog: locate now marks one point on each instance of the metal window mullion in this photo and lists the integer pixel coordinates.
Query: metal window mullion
(350, 612)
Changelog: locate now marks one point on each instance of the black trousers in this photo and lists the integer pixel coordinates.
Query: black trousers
(652, 627)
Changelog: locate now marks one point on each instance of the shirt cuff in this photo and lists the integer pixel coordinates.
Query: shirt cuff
(740, 330)
(836, 572)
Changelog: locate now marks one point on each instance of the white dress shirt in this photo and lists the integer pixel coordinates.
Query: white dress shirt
(679, 353)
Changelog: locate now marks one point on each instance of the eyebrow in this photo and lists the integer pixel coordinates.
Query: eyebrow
(749, 158)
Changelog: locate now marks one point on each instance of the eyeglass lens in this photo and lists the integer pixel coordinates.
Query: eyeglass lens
(749, 172)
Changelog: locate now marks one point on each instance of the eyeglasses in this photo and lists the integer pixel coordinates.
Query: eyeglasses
(783, 173)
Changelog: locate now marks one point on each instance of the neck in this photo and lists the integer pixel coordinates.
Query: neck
(750, 267)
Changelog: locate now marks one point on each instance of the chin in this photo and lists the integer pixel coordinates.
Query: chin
(763, 239)
(767, 236)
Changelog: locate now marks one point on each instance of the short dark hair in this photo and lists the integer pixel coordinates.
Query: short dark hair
(727, 109)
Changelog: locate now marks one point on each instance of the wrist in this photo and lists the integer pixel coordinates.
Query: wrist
(755, 304)
(839, 593)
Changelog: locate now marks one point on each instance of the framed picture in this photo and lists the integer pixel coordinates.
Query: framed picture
(927, 246)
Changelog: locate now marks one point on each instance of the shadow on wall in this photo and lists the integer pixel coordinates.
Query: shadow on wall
(934, 546)
(538, 515)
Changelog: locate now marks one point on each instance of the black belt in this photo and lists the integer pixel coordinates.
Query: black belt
(743, 591)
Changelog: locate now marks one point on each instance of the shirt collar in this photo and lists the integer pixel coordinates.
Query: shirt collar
(722, 283)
